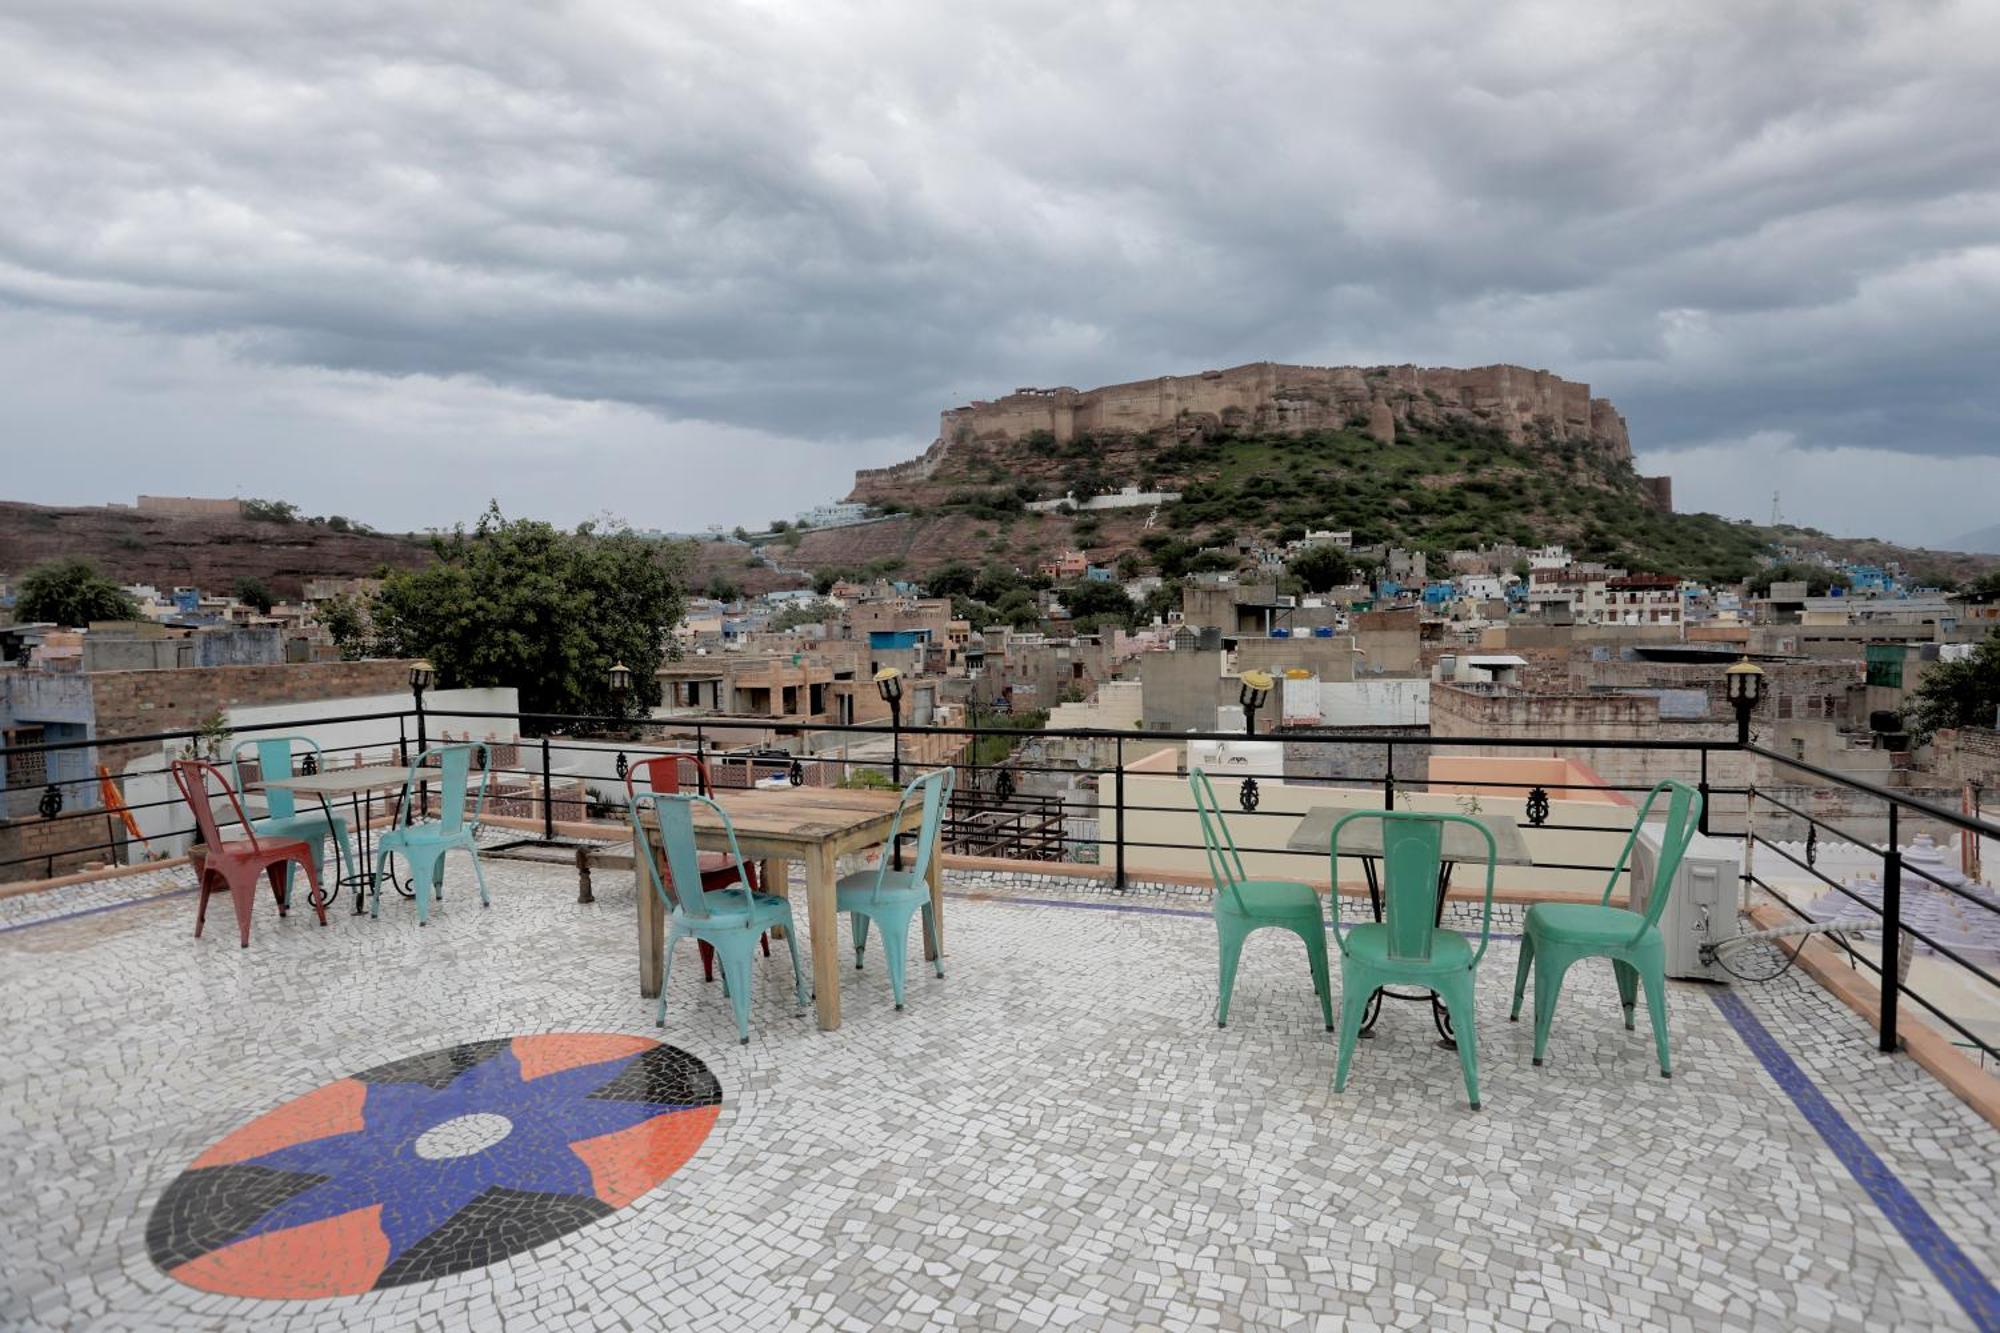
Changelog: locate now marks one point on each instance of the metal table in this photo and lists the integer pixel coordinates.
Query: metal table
(1363, 839)
(359, 785)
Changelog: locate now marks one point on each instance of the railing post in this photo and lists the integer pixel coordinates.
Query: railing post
(1389, 775)
(548, 796)
(402, 741)
(1892, 932)
(1118, 758)
(700, 764)
(1702, 787)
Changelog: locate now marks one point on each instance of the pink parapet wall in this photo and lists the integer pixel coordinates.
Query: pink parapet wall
(1498, 776)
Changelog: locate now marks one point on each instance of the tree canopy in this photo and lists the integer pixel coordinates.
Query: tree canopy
(71, 593)
(1964, 693)
(252, 591)
(519, 602)
(1320, 568)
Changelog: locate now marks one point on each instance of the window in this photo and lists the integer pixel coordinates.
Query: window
(26, 770)
(1784, 706)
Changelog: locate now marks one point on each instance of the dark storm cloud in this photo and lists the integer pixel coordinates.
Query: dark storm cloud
(824, 223)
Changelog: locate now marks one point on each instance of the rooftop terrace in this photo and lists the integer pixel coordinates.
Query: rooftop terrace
(1055, 1134)
(477, 1123)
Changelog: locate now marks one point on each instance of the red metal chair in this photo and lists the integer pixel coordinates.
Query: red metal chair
(233, 867)
(718, 871)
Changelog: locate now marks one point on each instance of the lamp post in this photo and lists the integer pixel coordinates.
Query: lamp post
(972, 756)
(1745, 687)
(889, 684)
(620, 677)
(421, 676)
(1254, 690)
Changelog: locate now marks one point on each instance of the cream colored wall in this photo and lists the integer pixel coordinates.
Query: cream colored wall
(1599, 832)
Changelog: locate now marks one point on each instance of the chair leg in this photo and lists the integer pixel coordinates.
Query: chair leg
(765, 940)
(1628, 988)
(734, 955)
(707, 961)
(798, 972)
(1230, 936)
(1354, 992)
(312, 883)
(343, 848)
(1548, 985)
(931, 939)
(202, 892)
(1654, 977)
(426, 879)
(1458, 999)
(859, 922)
(279, 873)
(478, 873)
(1521, 969)
(242, 896)
(896, 954)
(375, 883)
(667, 976)
(1316, 955)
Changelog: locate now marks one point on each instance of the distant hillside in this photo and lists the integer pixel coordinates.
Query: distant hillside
(209, 552)
(1986, 541)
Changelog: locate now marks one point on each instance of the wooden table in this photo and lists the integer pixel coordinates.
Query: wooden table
(355, 784)
(812, 825)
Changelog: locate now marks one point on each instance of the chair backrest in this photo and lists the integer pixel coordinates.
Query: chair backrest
(1683, 820)
(274, 760)
(200, 782)
(662, 774)
(1225, 863)
(675, 814)
(1412, 852)
(933, 789)
(453, 767)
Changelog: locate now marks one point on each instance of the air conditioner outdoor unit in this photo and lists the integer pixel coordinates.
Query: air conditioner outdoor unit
(1702, 905)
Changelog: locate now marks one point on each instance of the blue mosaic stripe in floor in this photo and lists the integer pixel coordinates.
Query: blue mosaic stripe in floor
(93, 911)
(1972, 1289)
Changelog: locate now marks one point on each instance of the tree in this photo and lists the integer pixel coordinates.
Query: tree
(803, 613)
(252, 591)
(270, 511)
(522, 603)
(1091, 603)
(1984, 589)
(71, 593)
(952, 579)
(1320, 568)
(1961, 693)
(346, 623)
(722, 588)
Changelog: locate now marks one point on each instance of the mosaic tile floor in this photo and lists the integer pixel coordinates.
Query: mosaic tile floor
(1057, 1135)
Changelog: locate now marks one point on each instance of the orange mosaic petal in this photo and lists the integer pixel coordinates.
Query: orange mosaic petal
(336, 1256)
(555, 1052)
(321, 1113)
(626, 1164)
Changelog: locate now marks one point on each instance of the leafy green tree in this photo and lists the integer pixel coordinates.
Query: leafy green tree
(1092, 603)
(1964, 693)
(255, 592)
(1018, 609)
(803, 613)
(270, 511)
(952, 579)
(722, 588)
(346, 623)
(1320, 568)
(1984, 589)
(522, 603)
(71, 593)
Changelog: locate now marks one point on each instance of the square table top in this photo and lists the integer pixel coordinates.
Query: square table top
(337, 781)
(798, 816)
(1364, 837)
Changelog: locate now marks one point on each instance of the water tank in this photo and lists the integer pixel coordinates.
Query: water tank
(1211, 639)
(1323, 631)
(1280, 632)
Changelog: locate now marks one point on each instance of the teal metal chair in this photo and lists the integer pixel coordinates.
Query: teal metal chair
(1243, 905)
(1407, 946)
(277, 758)
(424, 845)
(890, 897)
(1559, 934)
(728, 920)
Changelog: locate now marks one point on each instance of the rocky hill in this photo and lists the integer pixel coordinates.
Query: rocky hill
(210, 552)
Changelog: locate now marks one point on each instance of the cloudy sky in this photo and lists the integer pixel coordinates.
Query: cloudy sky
(695, 263)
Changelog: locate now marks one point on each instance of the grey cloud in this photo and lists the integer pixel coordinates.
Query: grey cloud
(825, 223)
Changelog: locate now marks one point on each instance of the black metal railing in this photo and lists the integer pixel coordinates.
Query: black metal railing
(569, 766)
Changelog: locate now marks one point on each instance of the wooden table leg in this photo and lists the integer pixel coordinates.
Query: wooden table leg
(825, 937)
(777, 877)
(934, 873)
(652, 922)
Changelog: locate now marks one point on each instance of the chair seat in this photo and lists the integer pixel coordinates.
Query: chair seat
(1369, 944)
(1269, 897)
(1583, 924)
(735, 908)
(305, 821)
(855, 892)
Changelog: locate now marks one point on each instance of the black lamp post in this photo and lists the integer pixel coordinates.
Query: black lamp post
(421, 676)
(1254, 690)
(889, 684)
(620, 677)
(1745, 688)
(972, 757)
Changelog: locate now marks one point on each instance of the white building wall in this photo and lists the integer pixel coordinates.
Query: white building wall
(1386, 702)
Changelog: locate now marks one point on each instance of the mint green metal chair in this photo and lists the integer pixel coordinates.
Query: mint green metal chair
(890, 897)
(728, 920)
(282, 818)
(424, 845)
(1243, 905)
(1407, 946)
(1559, 934)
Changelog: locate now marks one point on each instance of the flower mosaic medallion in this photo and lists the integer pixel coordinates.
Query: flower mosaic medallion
(434, 1164)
